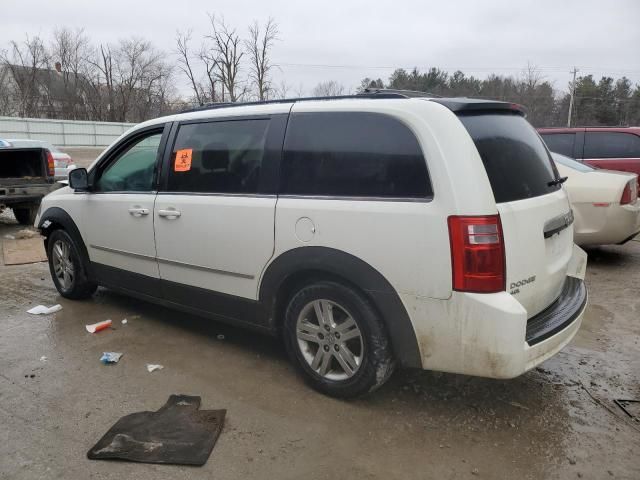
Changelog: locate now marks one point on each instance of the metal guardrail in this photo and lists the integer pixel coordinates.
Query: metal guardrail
(63, 133)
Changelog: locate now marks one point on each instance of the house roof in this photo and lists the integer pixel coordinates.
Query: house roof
(58, 84)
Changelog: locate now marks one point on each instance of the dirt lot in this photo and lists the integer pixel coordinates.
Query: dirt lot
(558, 421)
(83, 156)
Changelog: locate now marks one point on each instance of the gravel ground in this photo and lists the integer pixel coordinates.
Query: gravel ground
(556, 422)
(83, 156)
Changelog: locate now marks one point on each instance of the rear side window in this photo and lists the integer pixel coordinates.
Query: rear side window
(353, 154)
(611, 145)
(560, 142)
(218, 157)
(515, 158)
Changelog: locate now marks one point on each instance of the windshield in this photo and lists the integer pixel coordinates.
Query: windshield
(571, 163)
(515, 157)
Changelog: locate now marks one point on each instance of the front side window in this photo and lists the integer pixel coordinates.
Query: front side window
(133, 169)
(353, 154)
(218, 157)
(561, 143)
(611, 145)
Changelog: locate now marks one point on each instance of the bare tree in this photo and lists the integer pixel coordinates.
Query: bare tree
(69, 54)
(329, 88)
(139, 68)
(259, 47)
(226, 55)
(281, 90)
(103, 84)
(209, 58)
(25, 63)
(184, 63)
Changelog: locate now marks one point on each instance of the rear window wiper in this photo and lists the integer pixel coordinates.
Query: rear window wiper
(557, 181)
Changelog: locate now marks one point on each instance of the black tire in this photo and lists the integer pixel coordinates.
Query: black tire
(377, 362)
(26, 215)
(80, 286)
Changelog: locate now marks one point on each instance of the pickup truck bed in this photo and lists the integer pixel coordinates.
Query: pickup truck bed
(25, 177)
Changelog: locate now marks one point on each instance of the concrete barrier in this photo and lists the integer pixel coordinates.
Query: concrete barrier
(63, 133)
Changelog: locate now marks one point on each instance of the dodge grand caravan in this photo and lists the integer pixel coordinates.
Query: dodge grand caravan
(368, 231)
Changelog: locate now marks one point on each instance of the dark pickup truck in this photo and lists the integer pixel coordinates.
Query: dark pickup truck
(26, 175)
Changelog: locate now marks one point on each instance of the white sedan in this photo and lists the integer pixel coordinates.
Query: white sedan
(605, 202)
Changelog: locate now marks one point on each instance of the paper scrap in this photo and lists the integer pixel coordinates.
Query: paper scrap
(96, 327)
(110, 357)
(42, 310)
(124, 321)
(151, 367)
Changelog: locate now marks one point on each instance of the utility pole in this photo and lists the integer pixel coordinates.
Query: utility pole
(572, 93)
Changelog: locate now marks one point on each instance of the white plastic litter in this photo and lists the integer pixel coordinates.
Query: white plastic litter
(151, 367)
(43, 358)
(42, 310)
(110, 357)
(124, 321)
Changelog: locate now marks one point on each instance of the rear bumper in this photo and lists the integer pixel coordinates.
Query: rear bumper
(490, 335)
(17, 194)
(614, 224)
(560, 314)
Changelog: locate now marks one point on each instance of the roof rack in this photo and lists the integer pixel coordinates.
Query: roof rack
(589, 126)
(455, 104)
(382, 93)
(404, 93)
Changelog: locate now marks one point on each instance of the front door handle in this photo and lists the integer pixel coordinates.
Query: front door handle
(169, 214)
(138, 211)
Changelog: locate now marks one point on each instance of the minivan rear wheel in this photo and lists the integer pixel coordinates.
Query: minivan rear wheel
(336, 339)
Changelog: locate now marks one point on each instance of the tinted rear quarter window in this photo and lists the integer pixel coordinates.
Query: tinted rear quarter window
(353, 154)
(516, 160)
(562, 143)
(611, 145)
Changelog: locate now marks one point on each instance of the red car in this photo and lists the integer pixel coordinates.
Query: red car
(611, 148)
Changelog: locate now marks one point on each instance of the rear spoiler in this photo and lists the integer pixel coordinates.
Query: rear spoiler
(475, 105)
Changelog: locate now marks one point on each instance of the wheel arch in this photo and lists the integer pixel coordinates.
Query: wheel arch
(60, 219)
(303, 265)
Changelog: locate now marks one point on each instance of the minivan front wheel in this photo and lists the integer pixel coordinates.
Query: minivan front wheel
(336, 338)
(65, 265)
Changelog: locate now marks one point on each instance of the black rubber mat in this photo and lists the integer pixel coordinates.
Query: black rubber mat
(179, 433)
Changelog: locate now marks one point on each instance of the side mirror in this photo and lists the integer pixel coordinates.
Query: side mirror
(78, 179)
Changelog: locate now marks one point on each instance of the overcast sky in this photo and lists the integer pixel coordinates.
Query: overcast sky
(347, 40)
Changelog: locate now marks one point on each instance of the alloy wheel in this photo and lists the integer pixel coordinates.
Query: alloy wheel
(63, 267)
(330, 340)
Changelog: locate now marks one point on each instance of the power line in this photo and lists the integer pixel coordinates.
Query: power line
(450, 67)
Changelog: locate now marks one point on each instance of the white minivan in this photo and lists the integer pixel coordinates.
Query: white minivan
(368, 231)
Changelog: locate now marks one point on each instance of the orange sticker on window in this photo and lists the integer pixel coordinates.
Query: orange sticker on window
(183, 160)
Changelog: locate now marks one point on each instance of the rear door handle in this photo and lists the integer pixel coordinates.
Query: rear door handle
(138, 211)
(169, 213)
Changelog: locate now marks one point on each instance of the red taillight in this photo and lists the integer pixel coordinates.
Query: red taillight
(51, 165)
(477, 254)
(630, 193)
